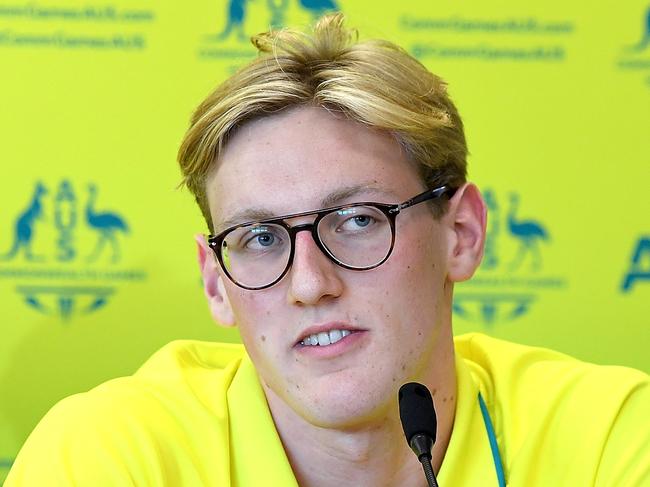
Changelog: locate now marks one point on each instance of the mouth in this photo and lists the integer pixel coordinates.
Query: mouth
(325, 335)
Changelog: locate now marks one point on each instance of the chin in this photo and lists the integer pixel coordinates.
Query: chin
(345, 408)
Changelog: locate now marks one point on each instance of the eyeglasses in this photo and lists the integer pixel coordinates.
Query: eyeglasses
(359, 236)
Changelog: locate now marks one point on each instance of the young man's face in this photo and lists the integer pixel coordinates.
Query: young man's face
(398, 312)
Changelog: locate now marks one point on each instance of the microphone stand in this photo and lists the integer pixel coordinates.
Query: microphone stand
(428, 472)
(421, 444)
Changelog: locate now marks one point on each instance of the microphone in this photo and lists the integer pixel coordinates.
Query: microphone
(418, 417)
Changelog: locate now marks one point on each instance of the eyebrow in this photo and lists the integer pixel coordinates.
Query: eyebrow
(332, 199)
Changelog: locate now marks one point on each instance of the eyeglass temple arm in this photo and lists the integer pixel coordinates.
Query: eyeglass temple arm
(427, 195)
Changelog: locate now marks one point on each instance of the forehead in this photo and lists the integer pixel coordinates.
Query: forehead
(295, 160)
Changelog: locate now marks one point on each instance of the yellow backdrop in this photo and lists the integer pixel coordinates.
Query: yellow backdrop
(97, 265)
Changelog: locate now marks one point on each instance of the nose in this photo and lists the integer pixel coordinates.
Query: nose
(313, 276)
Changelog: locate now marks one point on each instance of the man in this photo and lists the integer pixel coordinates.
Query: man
(332, 175)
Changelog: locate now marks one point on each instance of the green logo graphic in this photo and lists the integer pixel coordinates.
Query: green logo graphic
(512, 276)
(65, 251)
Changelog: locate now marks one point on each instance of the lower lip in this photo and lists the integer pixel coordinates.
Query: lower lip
(346, 344)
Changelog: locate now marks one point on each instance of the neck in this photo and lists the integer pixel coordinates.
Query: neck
(374, 452)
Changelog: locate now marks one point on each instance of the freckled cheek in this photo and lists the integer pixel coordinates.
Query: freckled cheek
(411, 299)
(252, 306)
(410, 270)
(423, 263)
(259, 323)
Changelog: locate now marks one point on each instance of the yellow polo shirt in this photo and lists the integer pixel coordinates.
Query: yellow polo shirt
(195, 415)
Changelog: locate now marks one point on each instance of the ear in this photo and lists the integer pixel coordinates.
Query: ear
(213, 286)
(467, 220)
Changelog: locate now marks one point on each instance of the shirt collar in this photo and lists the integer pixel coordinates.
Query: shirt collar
(253, 437)
(257, 456)
(468, 459)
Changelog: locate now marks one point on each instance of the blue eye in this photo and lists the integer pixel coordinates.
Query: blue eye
(362, 220)
(265, 240)
(357, 224)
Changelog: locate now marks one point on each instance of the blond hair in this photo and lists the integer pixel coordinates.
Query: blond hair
(374, 82)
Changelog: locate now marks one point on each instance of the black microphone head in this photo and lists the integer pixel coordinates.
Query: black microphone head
(416, 411)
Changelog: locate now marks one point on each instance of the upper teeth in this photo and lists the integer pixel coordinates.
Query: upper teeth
(325, 338)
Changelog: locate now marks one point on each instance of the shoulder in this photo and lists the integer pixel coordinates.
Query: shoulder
(552, 410)
(534, 373)
(153, 423)
(184, 381)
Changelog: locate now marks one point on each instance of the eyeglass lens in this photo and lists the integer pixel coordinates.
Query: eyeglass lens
(256, 255)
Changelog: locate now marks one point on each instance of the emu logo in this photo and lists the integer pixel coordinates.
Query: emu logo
(62, 239)
(529, 234)
(510, 279)
(106, 224)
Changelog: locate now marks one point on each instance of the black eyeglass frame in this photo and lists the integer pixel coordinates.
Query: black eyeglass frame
(389, 210)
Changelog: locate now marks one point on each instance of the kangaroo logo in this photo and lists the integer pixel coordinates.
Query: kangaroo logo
(77, 233)
(318, 7)
(24, 228)
(235, 20)
(508, 282)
